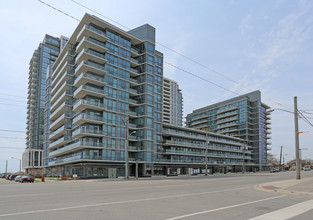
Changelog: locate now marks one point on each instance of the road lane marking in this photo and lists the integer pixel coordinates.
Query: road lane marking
(223, 208)
(288, 212)
(38, 194)
(119, 202)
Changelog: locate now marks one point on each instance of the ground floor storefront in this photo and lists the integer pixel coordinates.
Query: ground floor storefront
(115, 170)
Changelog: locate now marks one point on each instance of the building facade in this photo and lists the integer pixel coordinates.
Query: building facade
(104, 79)
(186, 151)
(46, 54)
(106, 108)
(172, 103)
(245, 117)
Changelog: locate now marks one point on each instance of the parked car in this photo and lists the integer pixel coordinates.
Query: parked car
(307, 168)
(173, 173)
(27, 178)
(274, 170)
(2, 176)
(17, 178)
(12, 177)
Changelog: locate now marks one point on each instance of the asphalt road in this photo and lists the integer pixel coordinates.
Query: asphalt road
(213, 197)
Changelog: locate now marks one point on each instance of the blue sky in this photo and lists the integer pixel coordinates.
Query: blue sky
(265, 45)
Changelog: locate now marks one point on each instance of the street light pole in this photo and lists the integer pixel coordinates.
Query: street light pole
(20, 162)
(126, 147)
(298, 176)
(206, 154)
(6, 167)
(244, 160)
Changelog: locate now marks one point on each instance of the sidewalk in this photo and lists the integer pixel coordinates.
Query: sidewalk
(303, 187)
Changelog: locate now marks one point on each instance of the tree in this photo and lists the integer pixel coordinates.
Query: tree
(271, 159)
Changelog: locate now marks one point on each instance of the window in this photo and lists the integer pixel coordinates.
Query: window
(112, 36)
(124, 64)
(149, 99)
(149, 89)
(112, 59)
(149, 122)
(149, 110)
(150, 59)
(150, 79)
(123, 84)
(111, 70)
(123, 74)
(158, 71)
(150, 69)
(124, 53)
(149, 135)
(158, 61)
(125, 43)
(158, 79)
(112, 48)
(150, 48)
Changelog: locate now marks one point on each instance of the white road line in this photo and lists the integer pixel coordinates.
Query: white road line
(222, 208)
(38, 194)
(288, 212)
(119, 202)
(234, 181)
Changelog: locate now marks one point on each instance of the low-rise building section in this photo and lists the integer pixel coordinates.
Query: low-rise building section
(245, 117)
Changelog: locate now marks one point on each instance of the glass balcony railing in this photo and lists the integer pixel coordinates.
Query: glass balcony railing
(95, 53)
(90, 76)
(88, 131)
(88, 117)
(96, 42)
(93, 89)
(94, 29)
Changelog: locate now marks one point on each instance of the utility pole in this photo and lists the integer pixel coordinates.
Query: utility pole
(126, 147)
(281, 151)
(244, 159)
(297, 139)
(137, 169)
(206, 153)
(6, 167)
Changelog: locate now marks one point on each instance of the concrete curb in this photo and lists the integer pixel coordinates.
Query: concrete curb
(283, 187)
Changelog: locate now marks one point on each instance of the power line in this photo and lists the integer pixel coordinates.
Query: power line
(100, 14)
(208, 68)
(305, 119)
(12, 147)
(12, 130)
(13, 138)
(13, 100)
(190, 73)
(186, 57)
(12, 105)
(58, 10)
(306, 112)
(163, 60)
(12, 95)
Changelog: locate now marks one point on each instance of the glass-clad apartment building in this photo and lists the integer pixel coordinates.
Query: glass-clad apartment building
(46, 53)
(186, 151)
(105, 110)
(245, 117)
(104, 81)
(172, 103)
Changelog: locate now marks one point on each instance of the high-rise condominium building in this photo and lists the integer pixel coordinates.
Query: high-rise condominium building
(105, 110)
(46, 54)
(244, 117)
(172, 103)
(105, 81)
